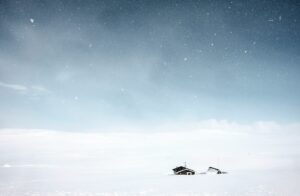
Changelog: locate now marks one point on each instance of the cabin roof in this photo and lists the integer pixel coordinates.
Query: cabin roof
(213, 168)
(182, 168)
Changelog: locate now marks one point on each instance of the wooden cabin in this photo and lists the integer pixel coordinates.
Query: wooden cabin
(181, 170)
(215, 170)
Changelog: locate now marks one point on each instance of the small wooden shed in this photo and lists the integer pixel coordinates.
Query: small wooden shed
(181, 170)
(215, 170)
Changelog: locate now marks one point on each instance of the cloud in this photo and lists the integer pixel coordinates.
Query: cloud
(28, 166)
(16, 87)
(25, 89)
(230, 145)
(40, 89)
(6, 165)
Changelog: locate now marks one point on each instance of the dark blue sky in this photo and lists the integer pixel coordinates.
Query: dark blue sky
(91, 64)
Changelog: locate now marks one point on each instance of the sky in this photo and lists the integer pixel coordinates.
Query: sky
(102, 65)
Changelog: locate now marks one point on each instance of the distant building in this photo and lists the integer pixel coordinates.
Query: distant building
(215, 170)
(181, 170)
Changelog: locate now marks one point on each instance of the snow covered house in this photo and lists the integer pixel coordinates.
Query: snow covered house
(215, 170)
(183, 170)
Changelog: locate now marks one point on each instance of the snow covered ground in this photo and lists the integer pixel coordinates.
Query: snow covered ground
(52, 182)
(261, 159)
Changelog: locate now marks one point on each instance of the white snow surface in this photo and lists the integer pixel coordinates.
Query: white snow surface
(58, 183)
(260, 158)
